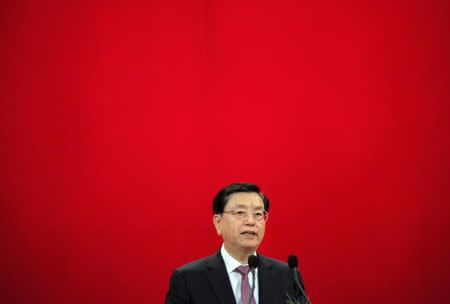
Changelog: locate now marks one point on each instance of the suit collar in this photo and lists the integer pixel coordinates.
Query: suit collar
(266, 279)
(219, 280)
(264, 262)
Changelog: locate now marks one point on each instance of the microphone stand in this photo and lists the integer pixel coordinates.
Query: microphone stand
(297, 281)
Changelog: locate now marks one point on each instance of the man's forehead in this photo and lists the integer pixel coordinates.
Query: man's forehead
(245, 200)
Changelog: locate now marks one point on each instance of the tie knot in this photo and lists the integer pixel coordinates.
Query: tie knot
(243, 270)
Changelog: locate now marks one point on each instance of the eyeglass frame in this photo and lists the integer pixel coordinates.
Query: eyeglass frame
(237, 214)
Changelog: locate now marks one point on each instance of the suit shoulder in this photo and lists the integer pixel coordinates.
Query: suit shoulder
(194, 266)
(277, 264)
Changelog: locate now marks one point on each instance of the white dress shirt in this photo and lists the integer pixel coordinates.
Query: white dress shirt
(235, 277)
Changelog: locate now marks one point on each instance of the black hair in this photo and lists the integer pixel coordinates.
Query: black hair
(221, 198)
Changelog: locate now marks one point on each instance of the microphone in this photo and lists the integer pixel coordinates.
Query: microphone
(293, 264)
(253, 263)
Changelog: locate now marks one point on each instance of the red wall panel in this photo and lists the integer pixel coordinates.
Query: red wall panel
(121, 120)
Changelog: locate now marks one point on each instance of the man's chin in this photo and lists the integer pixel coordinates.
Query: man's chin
(250, 245)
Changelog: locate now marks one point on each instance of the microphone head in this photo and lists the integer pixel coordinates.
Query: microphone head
(253, 261)
(292, 261)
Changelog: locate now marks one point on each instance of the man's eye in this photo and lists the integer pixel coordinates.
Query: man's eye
(258, 214)
(240, 212)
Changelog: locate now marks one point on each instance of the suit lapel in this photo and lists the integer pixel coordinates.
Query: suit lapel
(219, 280)
(266, 281)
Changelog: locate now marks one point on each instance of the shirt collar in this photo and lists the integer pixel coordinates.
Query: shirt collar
(230, 263)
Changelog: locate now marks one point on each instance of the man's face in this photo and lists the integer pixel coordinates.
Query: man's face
(241, 235)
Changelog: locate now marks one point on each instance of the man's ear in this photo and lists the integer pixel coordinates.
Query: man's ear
(217, 220)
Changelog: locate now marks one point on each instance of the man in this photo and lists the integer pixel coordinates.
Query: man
(240, 215)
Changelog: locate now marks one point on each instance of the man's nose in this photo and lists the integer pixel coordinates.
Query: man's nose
(250, 220)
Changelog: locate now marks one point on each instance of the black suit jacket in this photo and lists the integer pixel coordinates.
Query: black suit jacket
(206, 281)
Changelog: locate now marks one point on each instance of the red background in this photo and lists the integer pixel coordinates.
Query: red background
(121, 120)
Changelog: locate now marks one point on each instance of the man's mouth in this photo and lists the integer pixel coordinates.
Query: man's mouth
(249, 233)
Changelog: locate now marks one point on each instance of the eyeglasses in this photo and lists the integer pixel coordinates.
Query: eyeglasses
(242, 215)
